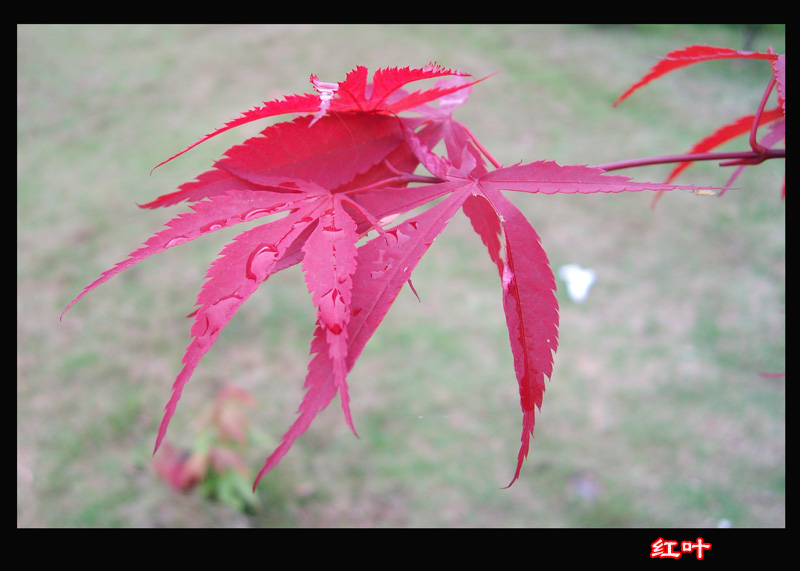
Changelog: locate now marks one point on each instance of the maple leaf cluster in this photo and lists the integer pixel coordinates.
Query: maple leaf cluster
(346, 165)
(761, 149)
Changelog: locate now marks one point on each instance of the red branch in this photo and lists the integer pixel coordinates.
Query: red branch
(741, 157)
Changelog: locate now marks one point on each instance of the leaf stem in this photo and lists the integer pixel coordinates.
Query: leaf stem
(738, 157)
(401, 178)
(758, 148)
(758, 153)
(482, 149)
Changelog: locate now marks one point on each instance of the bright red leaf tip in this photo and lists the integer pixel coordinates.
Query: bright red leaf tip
(353, 94)
(688, 56)
(360, 155)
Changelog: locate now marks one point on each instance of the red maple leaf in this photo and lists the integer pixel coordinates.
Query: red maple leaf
(761, 149)
(345, 167)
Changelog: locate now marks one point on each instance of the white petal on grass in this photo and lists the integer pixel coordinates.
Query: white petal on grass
(579, 281)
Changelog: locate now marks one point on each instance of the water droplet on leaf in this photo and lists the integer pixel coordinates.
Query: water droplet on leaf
(212, 227)
(261, 262)
(176, 241)
(257, 213)
(216, 317)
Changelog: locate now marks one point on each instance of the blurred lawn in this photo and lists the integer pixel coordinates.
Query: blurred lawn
(656, 414)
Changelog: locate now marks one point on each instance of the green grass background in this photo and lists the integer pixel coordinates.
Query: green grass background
(655, 416)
